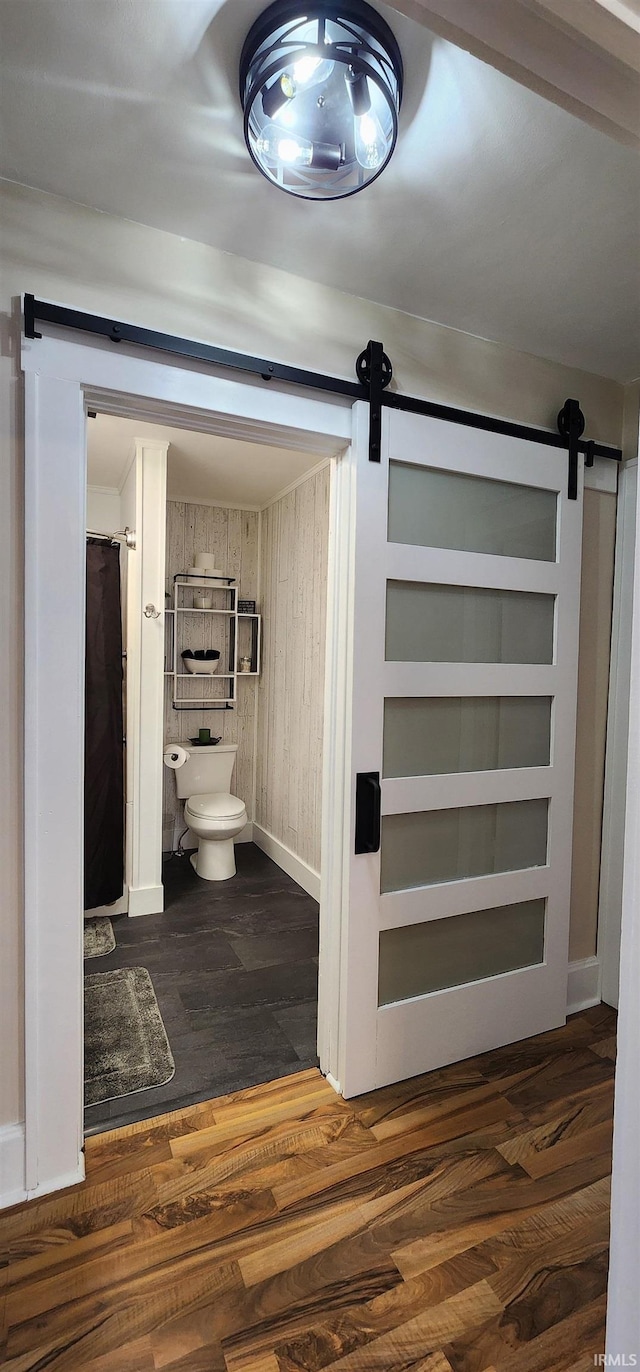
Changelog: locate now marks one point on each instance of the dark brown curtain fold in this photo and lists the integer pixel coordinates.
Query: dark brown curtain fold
(104, 750)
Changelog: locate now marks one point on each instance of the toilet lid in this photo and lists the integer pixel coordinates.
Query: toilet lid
(215, 805)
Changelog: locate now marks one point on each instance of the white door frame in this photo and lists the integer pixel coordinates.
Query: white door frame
(144, 508)
(623, 1308)
(615, 775)
(63, 378)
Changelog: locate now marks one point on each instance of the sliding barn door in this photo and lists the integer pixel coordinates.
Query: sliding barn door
(467, 581)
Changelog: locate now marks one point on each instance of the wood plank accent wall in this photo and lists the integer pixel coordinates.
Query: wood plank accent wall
(293, 578)
(233, 535)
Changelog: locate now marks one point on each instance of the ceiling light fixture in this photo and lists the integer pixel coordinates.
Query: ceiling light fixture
(321, 90)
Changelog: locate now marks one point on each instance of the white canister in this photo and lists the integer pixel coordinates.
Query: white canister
(206, 562)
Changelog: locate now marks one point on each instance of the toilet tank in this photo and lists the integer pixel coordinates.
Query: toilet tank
(206, 769)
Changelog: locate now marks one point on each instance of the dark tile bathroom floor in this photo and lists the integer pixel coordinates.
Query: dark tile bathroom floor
(234, 965)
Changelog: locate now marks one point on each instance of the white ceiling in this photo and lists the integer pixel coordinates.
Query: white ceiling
(500, 213)
(201, 467)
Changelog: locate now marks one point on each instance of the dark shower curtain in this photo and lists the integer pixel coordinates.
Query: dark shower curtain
(104, 749)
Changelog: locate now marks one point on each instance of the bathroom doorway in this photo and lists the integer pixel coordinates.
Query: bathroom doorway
(228, 998)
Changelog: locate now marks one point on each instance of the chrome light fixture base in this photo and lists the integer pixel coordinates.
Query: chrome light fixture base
(321, 89)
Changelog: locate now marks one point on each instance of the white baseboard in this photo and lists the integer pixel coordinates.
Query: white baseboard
(332, 1082)
(12, 1170)
(47, 1188)
(13, 1189)
(583, 985)
(288, 861)
(146, 900)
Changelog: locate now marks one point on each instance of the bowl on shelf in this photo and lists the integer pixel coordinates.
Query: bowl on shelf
(201, 661)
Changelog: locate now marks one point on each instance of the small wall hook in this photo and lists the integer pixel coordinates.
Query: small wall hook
(151, 612)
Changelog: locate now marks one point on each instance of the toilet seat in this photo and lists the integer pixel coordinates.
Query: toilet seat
(214, 805)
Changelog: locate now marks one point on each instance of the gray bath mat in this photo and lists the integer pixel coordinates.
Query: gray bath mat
(99, 937)
(125, 1044)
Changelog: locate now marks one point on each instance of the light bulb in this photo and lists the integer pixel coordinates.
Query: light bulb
(370, 142)
(304, 74)
(295, 152)
(277, 147)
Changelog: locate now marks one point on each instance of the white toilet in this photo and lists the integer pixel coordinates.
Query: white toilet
(214, 815)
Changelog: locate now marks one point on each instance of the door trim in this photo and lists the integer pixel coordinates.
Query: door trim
(615, 775)
(62, 379)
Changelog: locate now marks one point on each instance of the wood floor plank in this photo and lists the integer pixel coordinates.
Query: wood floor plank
(84, 1209)
(556, 1349)
(227, 1157)
(434, 1362)
(534, 1223)
(59, 1259)
(130, 1357)
(605, 1048)
(602, 1019)
(313, 1236)
(325, 1342)
(267, 1362)
(578, 1071)
(361, 1175)
(119, 1163)
(457, 1222)
(131, 1312)
(552, 1124)
(451, 1109)
(232, 1122)
(209, 1358)
(590, 1143)
(447, 1083)
(517, 1269)
(427, 1332)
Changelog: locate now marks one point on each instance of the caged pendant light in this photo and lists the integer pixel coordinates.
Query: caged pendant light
(321, 89)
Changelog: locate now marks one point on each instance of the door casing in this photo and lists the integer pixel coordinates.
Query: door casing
(64, 378)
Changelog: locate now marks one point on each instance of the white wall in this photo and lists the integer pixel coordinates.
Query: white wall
(103, 510)
(623, 1308)
(596, 604)
(293, 577)
(66, 252)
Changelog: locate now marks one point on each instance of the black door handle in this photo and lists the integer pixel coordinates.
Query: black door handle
(368, 800)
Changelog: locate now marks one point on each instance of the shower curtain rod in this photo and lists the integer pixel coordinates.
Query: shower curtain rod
(127, 534)
(373, 370)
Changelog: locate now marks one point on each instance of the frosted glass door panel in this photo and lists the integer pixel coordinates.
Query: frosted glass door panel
(425, 847)
(438, 509)
(420, 958)
(428, 737)
(430, 623)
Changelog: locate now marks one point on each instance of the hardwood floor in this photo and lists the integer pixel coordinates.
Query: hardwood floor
(457, 1222)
